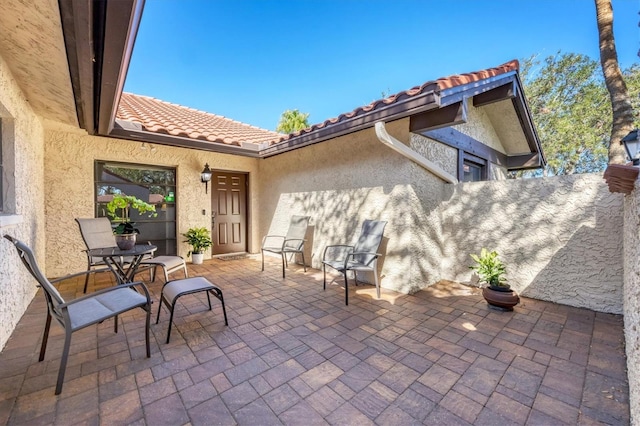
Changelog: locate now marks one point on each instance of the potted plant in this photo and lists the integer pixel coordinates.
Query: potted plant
(199, 239)
(492, 271)
(118, 210)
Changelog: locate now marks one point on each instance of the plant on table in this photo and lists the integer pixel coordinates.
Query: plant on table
(199, 239)
(490, 268)
(118, 210)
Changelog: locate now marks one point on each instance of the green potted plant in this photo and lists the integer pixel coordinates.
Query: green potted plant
(199, 239)
(118, 210)
(492, 271)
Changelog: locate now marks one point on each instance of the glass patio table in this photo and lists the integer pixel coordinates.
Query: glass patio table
(114, 258)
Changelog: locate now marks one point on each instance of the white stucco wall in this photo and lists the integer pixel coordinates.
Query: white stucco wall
(632, 299)
(69, 176)
(23, 151)
(340, 183)
(560, 237)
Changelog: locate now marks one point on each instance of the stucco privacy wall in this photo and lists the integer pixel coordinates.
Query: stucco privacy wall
(560, 237)
(69, 175)
(632, 299)
(340, 183)
(23, 152)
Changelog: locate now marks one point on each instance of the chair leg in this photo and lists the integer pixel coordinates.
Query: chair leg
(173, 306)
(324, 281)
(45, 336)
(160, 307)
(146, 329)
(86, 278)
(375, 277)
(184, 267)
(115, 324)
(166, 275)
(283, 263)
(262, 251)
(209, 300)
(218, 294)
(304, 264)
(346, 289)
(63, 360)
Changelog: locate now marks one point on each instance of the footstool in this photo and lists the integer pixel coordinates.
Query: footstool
(173, 290)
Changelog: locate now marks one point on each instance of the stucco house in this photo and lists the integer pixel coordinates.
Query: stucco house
(68, 132)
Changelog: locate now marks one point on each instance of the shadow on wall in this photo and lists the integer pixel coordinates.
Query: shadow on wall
(559, 237)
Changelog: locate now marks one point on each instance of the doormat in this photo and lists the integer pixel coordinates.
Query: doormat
(233, 257)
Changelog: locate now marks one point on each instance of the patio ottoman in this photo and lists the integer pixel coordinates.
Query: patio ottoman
(173, 290)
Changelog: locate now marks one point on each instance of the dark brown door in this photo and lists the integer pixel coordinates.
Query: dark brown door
(229, 212)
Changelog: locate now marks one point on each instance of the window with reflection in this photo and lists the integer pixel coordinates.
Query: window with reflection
(153, 184)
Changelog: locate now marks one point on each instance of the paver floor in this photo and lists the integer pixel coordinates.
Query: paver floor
(295, 354)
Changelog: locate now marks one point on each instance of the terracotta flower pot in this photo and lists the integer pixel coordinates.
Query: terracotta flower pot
(505, 299)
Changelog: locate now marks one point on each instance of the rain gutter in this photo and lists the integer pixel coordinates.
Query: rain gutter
(402, 149)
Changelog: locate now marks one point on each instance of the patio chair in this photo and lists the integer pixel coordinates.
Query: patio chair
(97, 233)
(83, 311)
(293, 242)
(362, 257)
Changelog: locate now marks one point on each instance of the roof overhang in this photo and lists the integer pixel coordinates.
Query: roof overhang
(504, 102)
(99, 38)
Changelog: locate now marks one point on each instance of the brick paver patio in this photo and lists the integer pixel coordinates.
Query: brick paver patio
(294, 354)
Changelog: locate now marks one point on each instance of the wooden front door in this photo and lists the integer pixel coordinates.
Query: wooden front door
(229, 212)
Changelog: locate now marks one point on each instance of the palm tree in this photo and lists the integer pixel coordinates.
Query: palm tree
(621, 105)
(292, 121)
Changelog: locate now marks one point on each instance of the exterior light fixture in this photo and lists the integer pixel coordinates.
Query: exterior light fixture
(205, 177)
(632, 146)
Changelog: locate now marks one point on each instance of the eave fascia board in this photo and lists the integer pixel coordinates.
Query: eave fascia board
(395, 111)
(133, 131)
(524, 114)
(469, 90)
(77, 29)
(120, 25)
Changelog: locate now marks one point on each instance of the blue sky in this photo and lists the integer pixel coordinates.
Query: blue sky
(251, 60)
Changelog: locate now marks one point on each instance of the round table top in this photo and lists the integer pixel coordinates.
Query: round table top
(138, 249)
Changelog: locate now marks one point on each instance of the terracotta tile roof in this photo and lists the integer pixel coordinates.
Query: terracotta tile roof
(163, 117)
(433, 85)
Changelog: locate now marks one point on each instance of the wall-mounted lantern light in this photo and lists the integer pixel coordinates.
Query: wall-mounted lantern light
(632, 146)
(205, 177)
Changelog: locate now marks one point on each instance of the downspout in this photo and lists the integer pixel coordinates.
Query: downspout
(402, 149)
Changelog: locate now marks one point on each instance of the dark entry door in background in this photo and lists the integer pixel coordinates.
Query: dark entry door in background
(229, 212)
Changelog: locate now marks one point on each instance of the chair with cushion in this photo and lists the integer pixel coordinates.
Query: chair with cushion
(362, 257)
(173, 290)
(97, 233)
(293, 242)
(83, 311)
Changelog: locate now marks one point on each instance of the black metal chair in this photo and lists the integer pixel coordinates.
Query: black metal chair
(293, 242)
(362, 257)
(83, 311)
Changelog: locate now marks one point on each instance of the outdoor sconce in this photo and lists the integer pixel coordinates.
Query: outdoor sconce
(205, 177)
(632, 146)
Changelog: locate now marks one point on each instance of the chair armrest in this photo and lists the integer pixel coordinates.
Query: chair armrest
(324, 254)
(264, 239)
(301, 241)
(77, 274)
(107, 290)
(370, 253)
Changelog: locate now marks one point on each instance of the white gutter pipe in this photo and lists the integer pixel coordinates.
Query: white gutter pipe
(402, 149)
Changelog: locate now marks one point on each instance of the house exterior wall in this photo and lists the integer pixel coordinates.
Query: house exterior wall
(559, 237)
(632, 299)
(339, 184)
(69, 177)
(23, 217)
